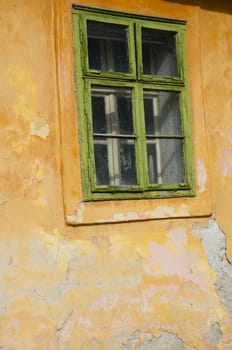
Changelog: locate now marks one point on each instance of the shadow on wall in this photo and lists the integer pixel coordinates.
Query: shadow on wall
(211, 5)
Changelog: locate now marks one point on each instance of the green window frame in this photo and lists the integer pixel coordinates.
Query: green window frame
(140, 93)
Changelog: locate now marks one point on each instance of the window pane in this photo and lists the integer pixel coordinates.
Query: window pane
(101, 164)
(115, 161)
(159, 52)
(127, 163)
(152, 163)
(162, 113)
(98, 114)
(165, 161)
(108, 47)
(125, 118)
(112, 110)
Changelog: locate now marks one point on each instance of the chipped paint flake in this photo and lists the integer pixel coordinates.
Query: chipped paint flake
(39, 127)
(77, 216)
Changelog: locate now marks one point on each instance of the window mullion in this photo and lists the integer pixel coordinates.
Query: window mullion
(115, 141)
(140, 133)
(155, 104)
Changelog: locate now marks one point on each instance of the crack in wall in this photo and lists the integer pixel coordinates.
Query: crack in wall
(61, 327)
(214, 244)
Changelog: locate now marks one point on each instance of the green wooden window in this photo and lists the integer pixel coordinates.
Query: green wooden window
(134, 118)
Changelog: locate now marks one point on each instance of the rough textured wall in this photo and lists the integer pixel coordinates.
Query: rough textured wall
(216, 54)
(147, 285)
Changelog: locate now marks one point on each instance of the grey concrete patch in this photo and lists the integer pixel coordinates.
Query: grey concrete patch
(167, 340)
(147, 341)
(215, 334)
(214, 245)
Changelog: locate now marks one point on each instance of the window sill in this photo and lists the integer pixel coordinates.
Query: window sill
(88, 213)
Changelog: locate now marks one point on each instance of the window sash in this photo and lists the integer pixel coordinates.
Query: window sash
(130, 41)
(180, 37)
(112, 139)
(139, 135)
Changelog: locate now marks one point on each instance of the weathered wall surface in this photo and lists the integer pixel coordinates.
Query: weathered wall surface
(149, 284)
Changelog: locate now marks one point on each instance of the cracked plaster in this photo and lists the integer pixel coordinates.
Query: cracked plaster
(214, 244)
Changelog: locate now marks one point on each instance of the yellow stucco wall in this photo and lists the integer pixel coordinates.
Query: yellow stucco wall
(133, 275)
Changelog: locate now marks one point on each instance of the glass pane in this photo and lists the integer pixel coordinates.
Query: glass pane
(159, 52)
(162, 113)
(98, 114)
(165, 161)
(127, 163)
(101, 164)
(108, 47)
(152, 163)
(112, 110)
(125, 118)
(115, 161)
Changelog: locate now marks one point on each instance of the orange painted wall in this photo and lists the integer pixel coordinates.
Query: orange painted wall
(125, 275)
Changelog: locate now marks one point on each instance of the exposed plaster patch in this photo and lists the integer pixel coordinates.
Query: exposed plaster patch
(174, 258)
(102, 242)
(110, 301)
(201, 175)
(147, 341)
(226, 161)
(214, 245)
(158, 212)
(3, 310)
(77, 216)
(39, 127)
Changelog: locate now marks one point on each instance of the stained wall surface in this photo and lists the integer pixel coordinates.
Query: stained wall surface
(147, 275)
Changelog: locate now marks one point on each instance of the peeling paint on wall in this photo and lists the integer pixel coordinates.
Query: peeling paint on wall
(77, 216)
(173, 258)
(201, 175)
(132, 281)
(160, 211)
(226, 161)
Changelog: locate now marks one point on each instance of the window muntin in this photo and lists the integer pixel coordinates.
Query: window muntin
(151, 156)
